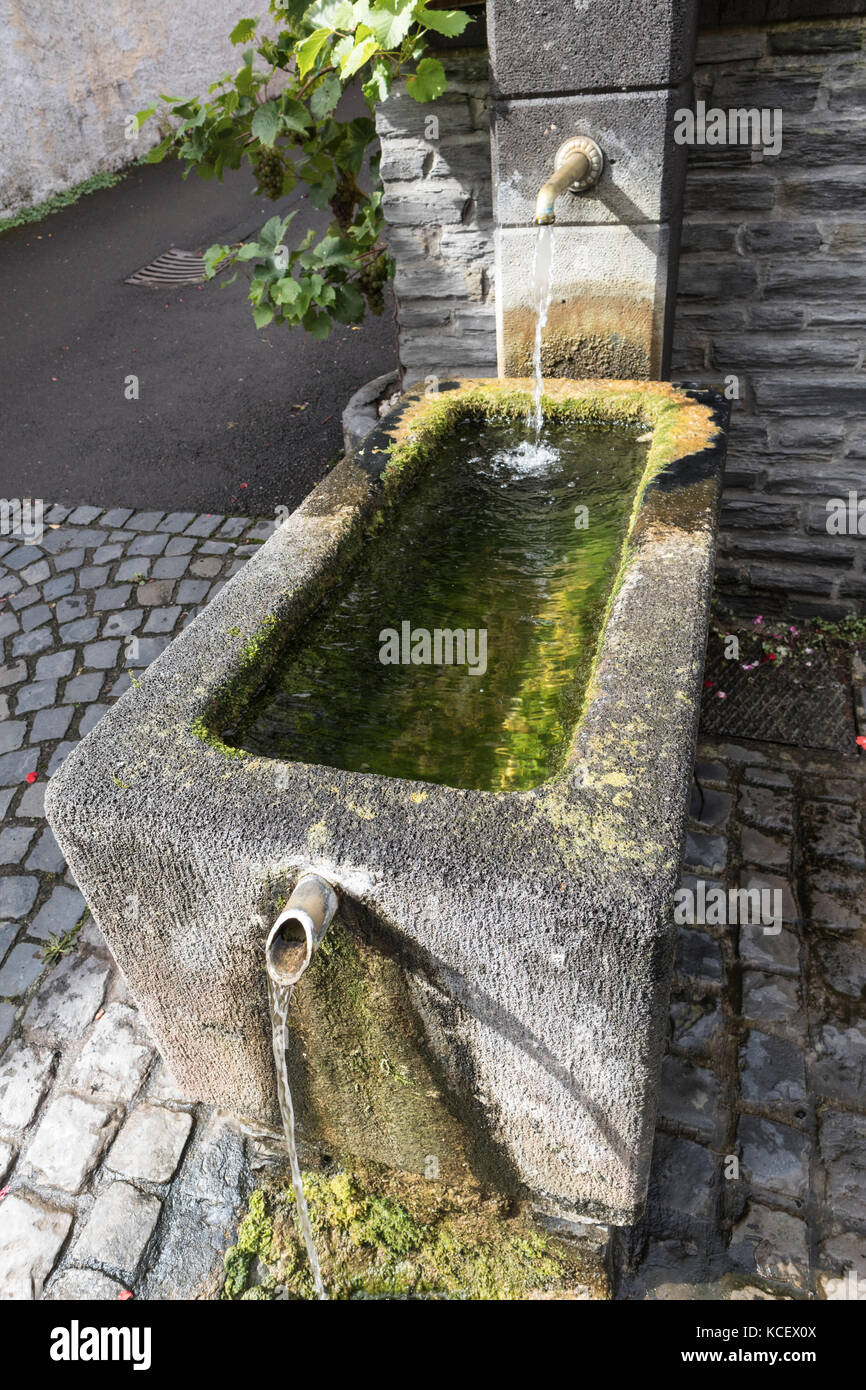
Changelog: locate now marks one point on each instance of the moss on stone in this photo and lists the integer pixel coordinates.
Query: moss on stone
(383, 1234)
(255, 1237)
(362, 1075)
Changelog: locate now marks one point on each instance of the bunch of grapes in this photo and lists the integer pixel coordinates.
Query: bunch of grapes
(344, 202)
(269, 172)
(371, 282)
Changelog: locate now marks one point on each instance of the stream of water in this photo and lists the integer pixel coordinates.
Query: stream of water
(280, 997)
(542, 289)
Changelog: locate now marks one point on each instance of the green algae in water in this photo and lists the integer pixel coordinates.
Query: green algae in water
(489, 540)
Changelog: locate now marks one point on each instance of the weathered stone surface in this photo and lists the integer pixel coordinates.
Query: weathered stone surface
(689, 1094)
(769, 950)
(842, 1266)
(834, 832)
(114, 1060)
(71, 1135)
(60, 913)
(146, 52)
(17, 895)
(769, 998)
(842, 965)
(698, 955)
(683, 1178)
(709, 807)
(200, 1211)
(21, 967)
(69, 998)
(85, 1285)
(773, 1071)
(150, 1144)
(843, 1154)
(774, 1157)
(31, 1236)
(769, 810)
(695, 1024)
(839, 1068)
(767, 850)
(118, 1228)
(7, 1158)
(528, 58)
(25, 1075)
(773, 1244)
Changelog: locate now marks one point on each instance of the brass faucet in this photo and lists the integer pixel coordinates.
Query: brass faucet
(577, 166)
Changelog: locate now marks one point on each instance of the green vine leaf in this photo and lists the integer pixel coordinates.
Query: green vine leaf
(325, 96)
(309, 50)
(429, 80)
(449, 22)
(243, 31)
(266, 124)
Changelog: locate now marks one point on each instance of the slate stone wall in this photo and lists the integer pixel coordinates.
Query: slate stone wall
(772, 291)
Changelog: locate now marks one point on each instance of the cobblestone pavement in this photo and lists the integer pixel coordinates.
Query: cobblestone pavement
(114, 1182)
(759, 1170)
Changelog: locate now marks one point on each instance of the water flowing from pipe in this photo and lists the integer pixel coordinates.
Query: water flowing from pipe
(542, 290)
(280, 997)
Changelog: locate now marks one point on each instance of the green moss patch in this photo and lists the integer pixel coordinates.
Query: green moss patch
(380, 1234)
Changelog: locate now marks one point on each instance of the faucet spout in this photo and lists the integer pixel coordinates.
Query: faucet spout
(577, 166)
(298, 931)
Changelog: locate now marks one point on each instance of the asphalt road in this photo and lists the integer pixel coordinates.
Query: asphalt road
(221, 403)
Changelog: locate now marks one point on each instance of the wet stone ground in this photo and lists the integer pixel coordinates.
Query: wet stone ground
(111, 1182)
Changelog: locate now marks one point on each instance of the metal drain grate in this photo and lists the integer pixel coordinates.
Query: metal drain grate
(807, 706)
(173, 267)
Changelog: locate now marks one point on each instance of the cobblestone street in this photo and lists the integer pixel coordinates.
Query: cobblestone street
(114, 1183)
(767, 1055)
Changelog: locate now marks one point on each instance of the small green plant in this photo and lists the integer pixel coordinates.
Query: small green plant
(56, 947)
(280, 115)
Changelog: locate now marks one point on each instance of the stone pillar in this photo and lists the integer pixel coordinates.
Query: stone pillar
(618, 73)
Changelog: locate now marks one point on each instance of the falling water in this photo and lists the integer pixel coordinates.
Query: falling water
(280, 996)
(542, 288)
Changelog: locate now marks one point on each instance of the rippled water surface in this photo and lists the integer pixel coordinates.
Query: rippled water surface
(485, 540)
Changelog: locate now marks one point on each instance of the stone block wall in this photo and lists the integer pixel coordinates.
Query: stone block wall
(436, 172)
(772, 291)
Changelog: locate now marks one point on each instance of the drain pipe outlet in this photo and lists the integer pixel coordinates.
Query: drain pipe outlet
(299, 929)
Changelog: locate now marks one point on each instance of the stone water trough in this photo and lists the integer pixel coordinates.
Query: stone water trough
(491, 1000)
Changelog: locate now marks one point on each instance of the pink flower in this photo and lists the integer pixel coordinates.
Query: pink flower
(759, 619)
(720, 695)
